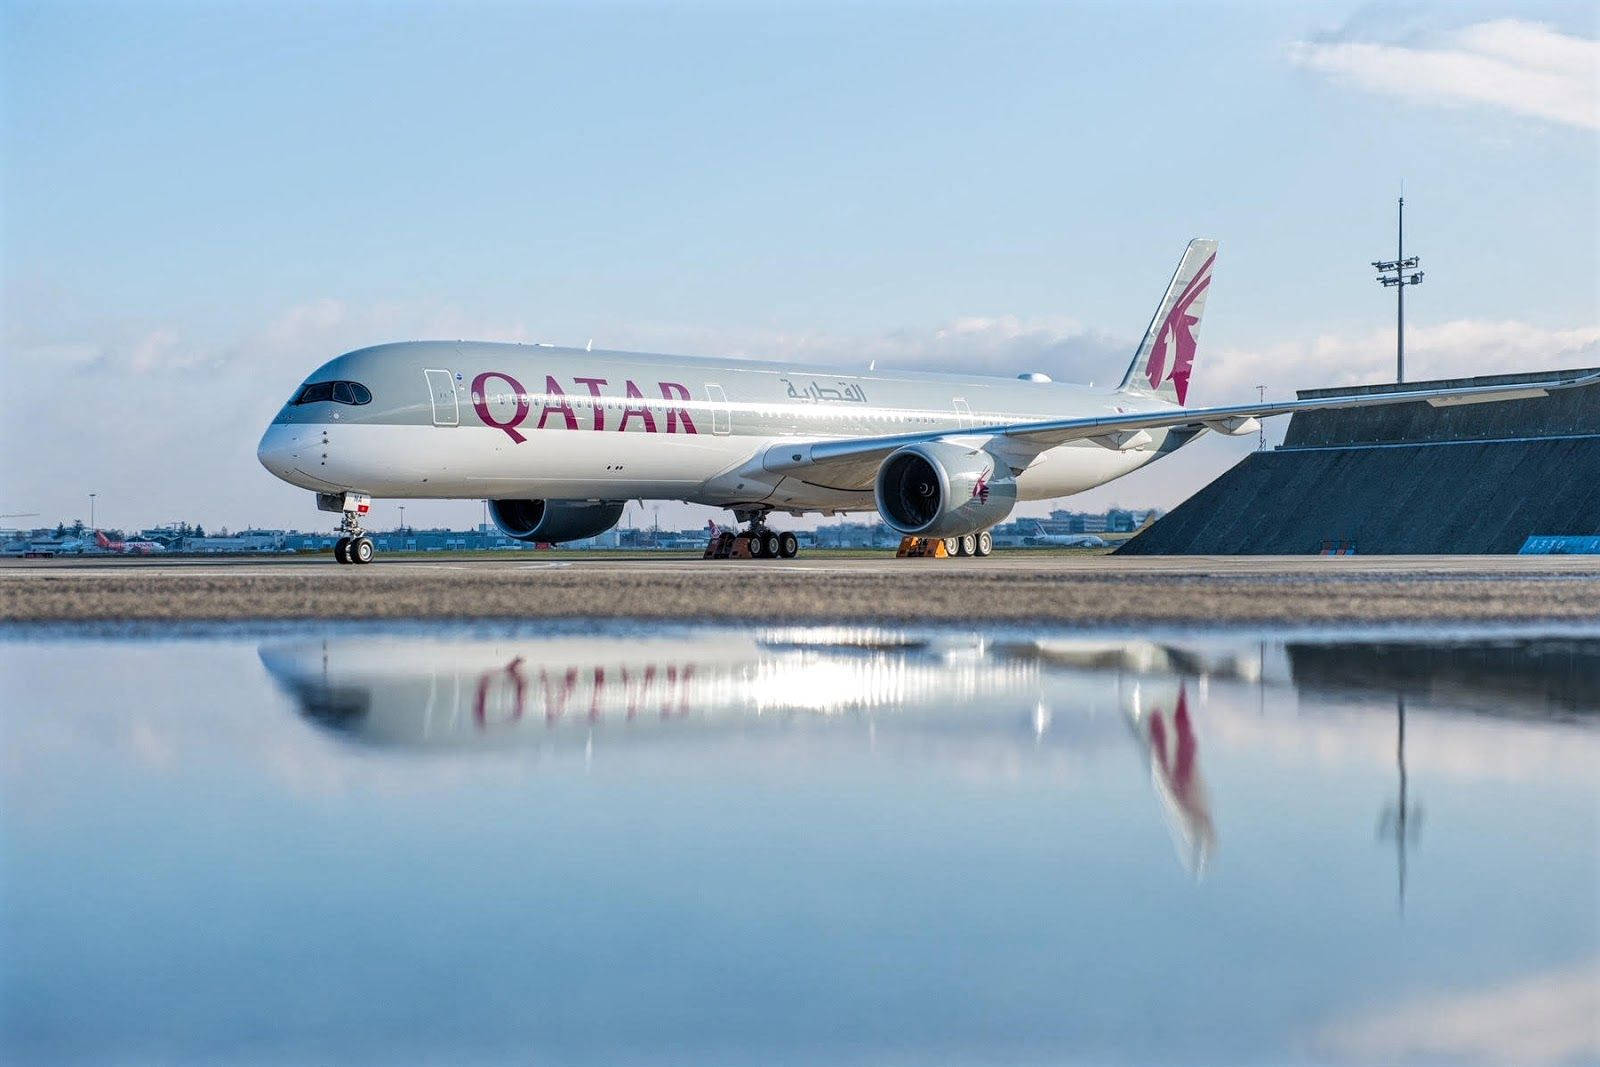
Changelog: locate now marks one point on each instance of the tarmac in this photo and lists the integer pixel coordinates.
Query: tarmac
(1070, 589)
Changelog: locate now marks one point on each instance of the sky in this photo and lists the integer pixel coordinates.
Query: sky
(201, 203)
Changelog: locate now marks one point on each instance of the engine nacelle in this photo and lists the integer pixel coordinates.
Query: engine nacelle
(555, 520)
(939, 489)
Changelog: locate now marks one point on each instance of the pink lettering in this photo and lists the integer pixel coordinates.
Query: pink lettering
(553, 390)
(555, 704)
(641, 409)
(480, 404)
(594, 385)
(513, 670)
(670, 391)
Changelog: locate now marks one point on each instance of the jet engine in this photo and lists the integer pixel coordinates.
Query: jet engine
(940, 489)
(555, 520)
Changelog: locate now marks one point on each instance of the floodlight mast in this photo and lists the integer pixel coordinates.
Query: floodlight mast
(1399, 272)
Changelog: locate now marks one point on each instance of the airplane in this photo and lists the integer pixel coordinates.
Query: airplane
(127, 548)
(1045, 537)
(69, 547)
(557, 440)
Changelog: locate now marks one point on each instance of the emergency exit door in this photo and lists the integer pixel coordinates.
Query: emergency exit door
(721, 418)
(442, 390)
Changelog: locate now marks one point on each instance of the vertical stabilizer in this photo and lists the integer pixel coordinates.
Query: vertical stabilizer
(1162, 365)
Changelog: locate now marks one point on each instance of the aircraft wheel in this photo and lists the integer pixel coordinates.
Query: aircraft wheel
(985, 543)
(969, 546)
(341, 550)
(788, 545)
(952, 546)
(764, 545)
(360, 550)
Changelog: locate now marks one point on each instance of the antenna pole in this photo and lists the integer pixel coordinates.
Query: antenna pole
(1400, 297)
(1399, 272)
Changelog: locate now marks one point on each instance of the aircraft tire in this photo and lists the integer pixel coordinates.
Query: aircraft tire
(969, 546)
(985, 543)
(360, 550)
(788, 545)
(341, 550)
(767, 545)
(952, 546)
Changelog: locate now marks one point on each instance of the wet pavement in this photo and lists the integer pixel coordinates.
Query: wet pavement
(608, 843)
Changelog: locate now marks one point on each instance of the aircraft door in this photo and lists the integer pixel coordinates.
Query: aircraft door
(963, 411)
(442, 390)
(721, 418)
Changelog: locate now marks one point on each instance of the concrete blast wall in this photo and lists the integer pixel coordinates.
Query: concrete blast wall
(1405, 479)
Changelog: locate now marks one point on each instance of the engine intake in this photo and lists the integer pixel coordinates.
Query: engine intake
(939, 489)
(555, 520)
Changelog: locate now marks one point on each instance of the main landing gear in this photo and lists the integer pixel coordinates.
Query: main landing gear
(978, 544)
(754, 542)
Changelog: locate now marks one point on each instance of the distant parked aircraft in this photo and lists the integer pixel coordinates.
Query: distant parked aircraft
(1045, 537)
(127, 548)
(557, 439)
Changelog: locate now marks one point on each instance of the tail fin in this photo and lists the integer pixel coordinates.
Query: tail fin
(1161, 365)
(101, 539)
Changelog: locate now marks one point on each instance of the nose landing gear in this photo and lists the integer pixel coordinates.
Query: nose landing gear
(353, 546)
(358, 549)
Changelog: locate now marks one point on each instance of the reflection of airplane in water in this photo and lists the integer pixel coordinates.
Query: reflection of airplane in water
(981, 705)
(967, 701)
(1167, 732)
(450, 693)
(1155, 702)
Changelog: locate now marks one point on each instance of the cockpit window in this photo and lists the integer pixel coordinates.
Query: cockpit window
(338, 392)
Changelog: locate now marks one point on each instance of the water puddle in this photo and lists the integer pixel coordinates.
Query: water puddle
(689, 844)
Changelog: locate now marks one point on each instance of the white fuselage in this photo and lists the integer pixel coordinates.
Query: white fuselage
(471, 420)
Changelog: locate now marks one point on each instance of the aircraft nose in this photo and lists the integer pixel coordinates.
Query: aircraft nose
(279, 450)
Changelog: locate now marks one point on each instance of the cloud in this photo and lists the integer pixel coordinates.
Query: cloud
(162, 419)
(1524, 67)
(1547, 1018)
(1452, 349)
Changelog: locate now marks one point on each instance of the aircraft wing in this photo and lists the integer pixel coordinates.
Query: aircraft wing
(852, 462)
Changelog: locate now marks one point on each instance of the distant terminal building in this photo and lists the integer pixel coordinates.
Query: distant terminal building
(1405, 479)
(1117, 520)
(243, 541)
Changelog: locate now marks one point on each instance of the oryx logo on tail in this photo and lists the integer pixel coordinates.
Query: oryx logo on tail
(1178, 330)
(1164, 361)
